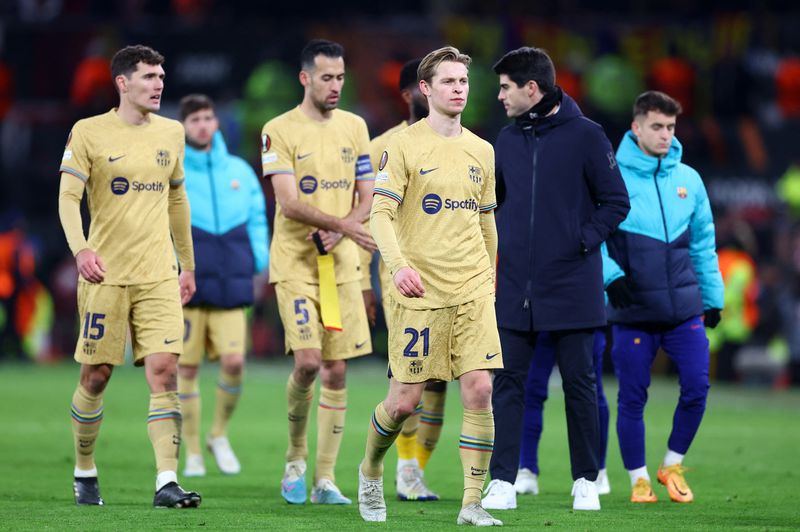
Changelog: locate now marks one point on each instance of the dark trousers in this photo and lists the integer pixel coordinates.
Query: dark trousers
(544, 359)
(633, 352)
(576, 362)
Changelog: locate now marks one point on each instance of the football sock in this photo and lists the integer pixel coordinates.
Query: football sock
(299, 402)
(229, 389)
(189, 395)
(407, 439)
(638, 473)
(330, 427)
(164, 429)
(475, 447)
(87, 414)
(380, 436)
(430, 425)
(672, 458)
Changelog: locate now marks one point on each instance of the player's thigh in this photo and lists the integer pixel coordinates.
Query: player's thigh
(354, 339)
(419, 343)
(476, 342)
(156, 319)
(298, 306)
(103, 312)
(687, 346)
(633, 351)
(227, 332)
(195, 321)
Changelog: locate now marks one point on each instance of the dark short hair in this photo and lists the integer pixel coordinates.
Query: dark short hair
(124, 61)
(408, 74)
(191, 103)
(656, 101)
(317, 47)
(525, 64)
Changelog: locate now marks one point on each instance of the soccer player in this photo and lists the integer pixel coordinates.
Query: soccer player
(229, 231)
(316, 156)
(433, 221)
(130, 162)
(668, 287)
(422, 429)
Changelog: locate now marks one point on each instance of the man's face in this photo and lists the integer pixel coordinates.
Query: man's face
(200, 127)
(143, 89)
(448, 90)
(418, 102)
(655, 132)
(514, 98)
(323, 83)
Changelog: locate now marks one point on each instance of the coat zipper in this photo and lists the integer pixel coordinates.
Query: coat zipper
(666, 236)
(527, 303)
(213, 193)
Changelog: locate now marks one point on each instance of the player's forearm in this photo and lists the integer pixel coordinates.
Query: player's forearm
(361, 211)
(310, 215)
(489, 232)
(69, 211)
(380, 224)
(180, 224)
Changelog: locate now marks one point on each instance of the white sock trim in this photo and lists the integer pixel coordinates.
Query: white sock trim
(638, 473)
(672, 458)
(85, 473)
(164, 478)
(403, 463)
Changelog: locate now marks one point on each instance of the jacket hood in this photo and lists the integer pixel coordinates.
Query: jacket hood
(631, 156)
(197, 159)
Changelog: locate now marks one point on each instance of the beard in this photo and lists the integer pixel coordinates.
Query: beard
(197, 145)
(419, 109)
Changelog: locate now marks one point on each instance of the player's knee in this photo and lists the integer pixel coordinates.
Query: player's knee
(306, 370)
(400, 409)
(233, 365)
(188, 372)
(95, 381)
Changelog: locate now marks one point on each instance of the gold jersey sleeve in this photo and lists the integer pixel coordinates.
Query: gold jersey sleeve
(434, 189)
(326, 159)
(128, 171)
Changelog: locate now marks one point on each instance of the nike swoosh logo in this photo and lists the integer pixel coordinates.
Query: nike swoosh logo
(303, 156)
(167, 342)
(112, 159)
(675, 485)
(423, 172)
(359, 346)
(489, 357)
(337, 429)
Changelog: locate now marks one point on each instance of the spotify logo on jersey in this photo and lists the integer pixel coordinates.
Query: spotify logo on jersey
(308, 184)
(119, 186)
(431, 204)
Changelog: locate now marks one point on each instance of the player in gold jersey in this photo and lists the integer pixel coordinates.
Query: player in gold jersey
(421, 431)
(317, 157)
(129, 162)
(432, 218)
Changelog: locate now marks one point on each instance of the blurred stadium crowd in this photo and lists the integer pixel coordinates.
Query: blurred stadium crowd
(735, 71)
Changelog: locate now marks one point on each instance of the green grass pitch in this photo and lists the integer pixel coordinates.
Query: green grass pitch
(744, 463)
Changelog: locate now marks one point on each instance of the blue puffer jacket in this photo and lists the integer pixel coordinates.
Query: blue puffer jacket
(229, 225)
(666, 245)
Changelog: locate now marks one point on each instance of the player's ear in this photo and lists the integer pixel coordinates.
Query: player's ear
(423, 88)
(122, 83)
(304, 77)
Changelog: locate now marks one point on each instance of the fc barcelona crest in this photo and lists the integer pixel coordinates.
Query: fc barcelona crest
(682, 192)
(163, 158)
(347, 155)
(475, 174)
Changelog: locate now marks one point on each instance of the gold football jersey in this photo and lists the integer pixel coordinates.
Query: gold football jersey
(128, 171)
(326, 159)
(435, 188)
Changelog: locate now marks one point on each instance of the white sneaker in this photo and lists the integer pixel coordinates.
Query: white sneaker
(371, 504)
(585, 493)
(527, 482)
(603, 487)
(474, 514)
(411, 485)
(500, 495)
(227, 462)
(194, 466)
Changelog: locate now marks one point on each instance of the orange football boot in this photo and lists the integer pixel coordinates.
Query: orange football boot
(672, 478)
(642, 491)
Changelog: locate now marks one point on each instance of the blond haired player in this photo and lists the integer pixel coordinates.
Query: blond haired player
(129, 162)
(317, 157)
(421, 430)
(432, 218)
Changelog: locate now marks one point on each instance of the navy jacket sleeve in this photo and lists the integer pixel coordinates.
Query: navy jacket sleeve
(607, 188)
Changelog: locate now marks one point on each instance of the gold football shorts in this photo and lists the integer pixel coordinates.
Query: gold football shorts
(152, 310)
(298, 304)
(215, 331)
(443, 344)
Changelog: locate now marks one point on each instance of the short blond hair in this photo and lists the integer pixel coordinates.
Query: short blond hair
(427, 68)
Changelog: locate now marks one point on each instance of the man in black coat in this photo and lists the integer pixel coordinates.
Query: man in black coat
(562, 195)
